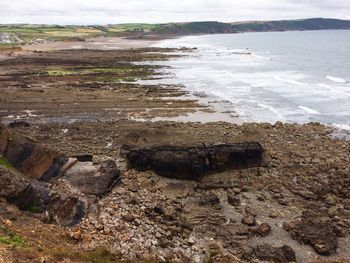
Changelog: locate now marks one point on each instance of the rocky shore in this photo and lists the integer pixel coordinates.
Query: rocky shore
(82, 181)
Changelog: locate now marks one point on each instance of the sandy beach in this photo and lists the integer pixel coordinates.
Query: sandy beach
(102, 43)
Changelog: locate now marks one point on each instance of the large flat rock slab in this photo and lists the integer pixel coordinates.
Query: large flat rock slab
(92, 179)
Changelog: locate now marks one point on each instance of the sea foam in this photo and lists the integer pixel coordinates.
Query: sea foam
(336, 79)
(309, 110)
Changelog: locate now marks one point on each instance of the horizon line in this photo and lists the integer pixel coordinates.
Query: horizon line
(173, 22)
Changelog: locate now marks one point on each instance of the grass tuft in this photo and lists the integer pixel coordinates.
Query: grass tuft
(5, 163)
(13, 240)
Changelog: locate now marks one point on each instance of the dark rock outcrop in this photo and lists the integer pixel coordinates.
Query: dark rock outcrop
(65, 209)
(55, 169)
(36, 197)
(195, 162)
(93, 180)
(3, 138)
(313, 230)
(28, 156)
(266, 252)
(10, 184)
(84, 157)
(31, 158)
(18, 124)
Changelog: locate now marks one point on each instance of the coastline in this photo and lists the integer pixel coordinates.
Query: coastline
(101, 43)
(269, 90)
(85, 102)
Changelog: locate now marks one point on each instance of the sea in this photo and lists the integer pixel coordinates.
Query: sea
(294, 77)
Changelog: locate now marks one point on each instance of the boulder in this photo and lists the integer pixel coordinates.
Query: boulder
(266, 252)
(11, 184)
(65, 209)
(249, 220)
(28, 156)
(36, 197)
(233, 200)
(93, 180)
(194, 162)
(311, 229)
(262, 230)
(209, 199)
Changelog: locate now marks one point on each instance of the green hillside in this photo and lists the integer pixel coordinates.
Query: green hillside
(288, 25)
(253, 26)
(194, 28)
(17, 35)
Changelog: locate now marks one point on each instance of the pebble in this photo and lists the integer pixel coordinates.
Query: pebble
(233, 200)
(128, 217)
(248, 220)
(8, 223)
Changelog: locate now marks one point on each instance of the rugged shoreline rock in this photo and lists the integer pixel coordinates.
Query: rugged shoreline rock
(315, 231)
(195, 162)
(37, 197)
(266, 252)
(29, 157)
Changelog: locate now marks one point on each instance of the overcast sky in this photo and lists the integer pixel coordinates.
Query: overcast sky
(156, 11)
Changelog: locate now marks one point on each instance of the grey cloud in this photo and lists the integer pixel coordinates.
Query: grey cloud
(156, 11)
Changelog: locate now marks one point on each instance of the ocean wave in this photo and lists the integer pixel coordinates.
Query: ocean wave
(271, 109)
(342, 126)
(309, 110)
(334, 92)
(264, 85)
(259, 56)
(289, 81)
(336, 79)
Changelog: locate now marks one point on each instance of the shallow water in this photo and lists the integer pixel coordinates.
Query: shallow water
(268, 77)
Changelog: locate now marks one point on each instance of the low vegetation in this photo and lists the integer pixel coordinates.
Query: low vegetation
(4, 162)
(7, 237)
(37, 33)
(87, 71)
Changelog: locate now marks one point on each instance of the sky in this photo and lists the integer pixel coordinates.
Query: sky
(91, 12)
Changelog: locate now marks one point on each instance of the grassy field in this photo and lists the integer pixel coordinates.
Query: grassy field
(29, 33)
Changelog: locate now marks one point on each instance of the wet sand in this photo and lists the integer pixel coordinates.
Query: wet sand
(102, 43)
